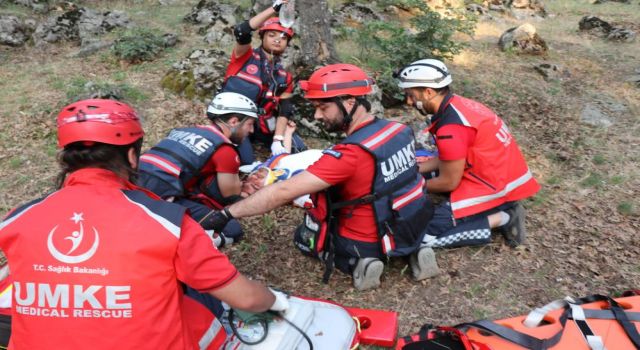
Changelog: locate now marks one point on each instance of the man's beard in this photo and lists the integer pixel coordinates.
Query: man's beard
(334, 126)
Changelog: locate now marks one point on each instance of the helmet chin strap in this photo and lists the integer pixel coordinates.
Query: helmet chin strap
(348, 116)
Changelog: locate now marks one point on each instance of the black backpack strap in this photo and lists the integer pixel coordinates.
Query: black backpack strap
(366, 199)
(332, 230)
(624, 321)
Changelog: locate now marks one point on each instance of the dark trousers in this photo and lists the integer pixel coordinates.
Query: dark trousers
(347, 251)
(445, 231)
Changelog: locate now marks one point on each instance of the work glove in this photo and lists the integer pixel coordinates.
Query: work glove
(277, 5)
(217, 220)
(282, 301)
(277, 148)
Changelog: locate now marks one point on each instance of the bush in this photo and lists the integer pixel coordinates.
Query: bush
(138, 45)
(80, 88)
(387, 46)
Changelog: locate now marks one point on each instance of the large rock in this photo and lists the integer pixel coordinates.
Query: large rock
(605, 1)
(527, 8)
(77, 24)
(93, 23)
(592, 115)
(523, 39)
(552, 72)
(40, 6)
(621, 34)
(199, 75)
(594, 25)
(600, 28)
(13, 31)
(220, 35)
(211, 11)
(519, 9)
(351, 13)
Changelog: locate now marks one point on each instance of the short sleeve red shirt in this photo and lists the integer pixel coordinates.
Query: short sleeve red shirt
(454, 140)
(198, 262)
(225, 160)
(352, 174)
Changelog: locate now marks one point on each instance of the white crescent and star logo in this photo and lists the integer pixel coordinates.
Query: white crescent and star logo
(76, 239)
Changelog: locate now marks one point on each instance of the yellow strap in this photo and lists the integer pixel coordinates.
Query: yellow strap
(359, 329)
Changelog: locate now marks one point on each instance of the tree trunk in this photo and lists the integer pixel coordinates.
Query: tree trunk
(315, 34)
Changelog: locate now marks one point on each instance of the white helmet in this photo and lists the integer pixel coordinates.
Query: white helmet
(426, 73)
(231, 102)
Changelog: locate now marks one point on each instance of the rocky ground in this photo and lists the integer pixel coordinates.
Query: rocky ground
(573, 107)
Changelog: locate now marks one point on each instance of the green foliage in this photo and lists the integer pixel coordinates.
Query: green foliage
(79, 88)
(626, 208)
(386, 46)
(138, 45)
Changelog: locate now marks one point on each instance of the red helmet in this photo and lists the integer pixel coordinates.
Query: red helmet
(337, 80)
(96, 120)
(273, 23)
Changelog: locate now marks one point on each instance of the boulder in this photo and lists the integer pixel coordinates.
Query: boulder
(199, 75)
(93, 23)
(77, 24)
(598, 27)
(605, 1)
(169, 39)
(90, 46)
(552, 72)
(523, 39)
(635, 78)
(208, 12)
(621, 34)
(520, 9)
(39, 6)
(592, 115)
(220, 35)
(13, 31)
(594, 25)
(354, 13)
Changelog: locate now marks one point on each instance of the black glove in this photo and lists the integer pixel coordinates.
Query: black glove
(217, 220)
(277, 5)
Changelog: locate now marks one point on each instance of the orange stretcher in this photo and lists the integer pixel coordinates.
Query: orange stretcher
(592, 323)
(595, 326)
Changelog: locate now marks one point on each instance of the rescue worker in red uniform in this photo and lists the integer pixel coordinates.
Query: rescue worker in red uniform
(258, 74)
(197, 167)
(369, 198)
(100, 262)
(479, 163)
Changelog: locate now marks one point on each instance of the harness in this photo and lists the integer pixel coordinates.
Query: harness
(263, 83)
(400, 205)
(175, 165)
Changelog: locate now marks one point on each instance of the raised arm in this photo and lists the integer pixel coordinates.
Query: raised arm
(244, 30)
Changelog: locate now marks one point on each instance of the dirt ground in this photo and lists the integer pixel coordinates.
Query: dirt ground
(582, 226)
